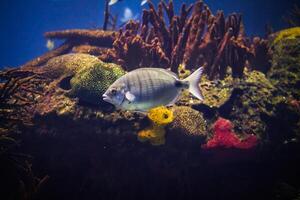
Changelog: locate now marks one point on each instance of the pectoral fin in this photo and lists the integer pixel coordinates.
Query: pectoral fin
(129, 96)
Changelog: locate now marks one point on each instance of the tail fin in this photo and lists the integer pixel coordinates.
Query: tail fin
(193, 80)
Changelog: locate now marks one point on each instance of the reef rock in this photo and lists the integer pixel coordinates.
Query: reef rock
(253, 97)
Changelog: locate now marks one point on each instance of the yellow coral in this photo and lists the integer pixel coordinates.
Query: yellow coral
(161, 115)
(155, 134)
(287, 34)
(145, 135)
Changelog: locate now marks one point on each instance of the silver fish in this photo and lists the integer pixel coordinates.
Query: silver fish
(146, 88)
(112, 2)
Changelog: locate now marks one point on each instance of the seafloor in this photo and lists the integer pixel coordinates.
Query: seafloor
(59, 140)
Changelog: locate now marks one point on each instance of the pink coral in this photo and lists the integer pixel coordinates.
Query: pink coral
(226, 138)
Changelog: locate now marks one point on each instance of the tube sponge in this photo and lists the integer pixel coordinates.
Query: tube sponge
(159, 117)
(155, 134)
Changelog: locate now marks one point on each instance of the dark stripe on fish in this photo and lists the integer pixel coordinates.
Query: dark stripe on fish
(127, 83)
(150, 89)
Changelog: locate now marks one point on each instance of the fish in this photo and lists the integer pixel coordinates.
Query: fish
(112, 2)
(50, 45)
(128, 15)
(146, 88)
(144, 2)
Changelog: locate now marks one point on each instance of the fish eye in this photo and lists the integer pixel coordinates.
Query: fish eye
(113, 91)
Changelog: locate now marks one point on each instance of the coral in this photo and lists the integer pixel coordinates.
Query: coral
(261, 55)
(159, 117)
(155, 134)
(183, 72)
(189, 40)
(68, 65)
(91, 82)
(287, 34)
(188, 121)
(92, 37)
(285, 71)
(19, 92)
(62, 49)
(216, 93)
(256, 77)
(194, 38)
(224, 137)
(55, 101)
(73, 38)
(252, 97)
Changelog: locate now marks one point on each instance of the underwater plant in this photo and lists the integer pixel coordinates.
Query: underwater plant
(159, 117)
(224, 137)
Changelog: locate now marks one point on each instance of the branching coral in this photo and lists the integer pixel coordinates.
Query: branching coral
(159, 116)
(19, 92)
(224, 137)
(191, 39)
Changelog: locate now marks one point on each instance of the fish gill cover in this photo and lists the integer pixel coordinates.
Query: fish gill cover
(81, 147)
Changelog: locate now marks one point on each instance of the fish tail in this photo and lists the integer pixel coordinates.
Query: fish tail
(194, 80)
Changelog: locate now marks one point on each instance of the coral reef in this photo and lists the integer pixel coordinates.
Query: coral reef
(67, 65)
(285, 72)
(287, 34)
(251, 98)
(90, 83)
(188, 122)
(193, 38)
(192, 41)
(159, 117)
(52, 105)
(224, 137)
(155, 134)
(216, 92)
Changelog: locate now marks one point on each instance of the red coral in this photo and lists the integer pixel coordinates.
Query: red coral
(226, 138)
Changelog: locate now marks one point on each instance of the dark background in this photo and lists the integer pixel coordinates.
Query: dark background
(23, 22)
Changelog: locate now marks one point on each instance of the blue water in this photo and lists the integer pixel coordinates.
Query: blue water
(23, 22)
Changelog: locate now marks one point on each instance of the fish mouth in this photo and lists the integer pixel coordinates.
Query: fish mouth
(106, 98)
